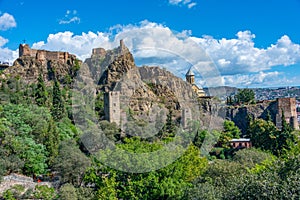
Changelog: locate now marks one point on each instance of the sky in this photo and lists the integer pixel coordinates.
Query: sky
(245, 43)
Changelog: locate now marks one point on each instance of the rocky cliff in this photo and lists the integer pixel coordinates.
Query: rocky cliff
(28, 68)
(239, 114)
(143, 90)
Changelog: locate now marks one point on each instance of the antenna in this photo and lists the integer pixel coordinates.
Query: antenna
(24, 41)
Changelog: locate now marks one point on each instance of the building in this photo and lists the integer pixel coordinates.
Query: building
(190, 78)
(112, 109)
(240, 143)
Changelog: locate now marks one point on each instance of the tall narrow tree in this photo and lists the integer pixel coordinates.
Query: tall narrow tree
(58, 108)
(40, 92)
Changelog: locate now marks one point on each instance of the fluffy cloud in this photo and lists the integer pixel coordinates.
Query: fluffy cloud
(254, 79)
(6, 55)
(7, 21)
(70, 17)
(224, 61)
(187, 3)
(80, 45)
(239, 55)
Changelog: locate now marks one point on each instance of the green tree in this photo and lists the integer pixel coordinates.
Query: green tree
(41, 92)
(245, 96)
(230, 131)
(52, 141)
(58, 108)
(169, 129)
(169, 182)
(44, 192)
(249, 158)
(263, 135)
(71, 163)
(99, 105)
(68, 192)
(34, 155)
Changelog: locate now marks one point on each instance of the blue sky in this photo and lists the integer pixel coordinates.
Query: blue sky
(251, 43)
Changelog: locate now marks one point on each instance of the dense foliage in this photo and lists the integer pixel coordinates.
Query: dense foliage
(38, 137)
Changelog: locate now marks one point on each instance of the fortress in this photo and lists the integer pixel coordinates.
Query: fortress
(287, 107)
(43, 55)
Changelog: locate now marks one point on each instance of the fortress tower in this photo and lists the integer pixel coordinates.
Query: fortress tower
(112, 110)
(288, 107)
(24, 50)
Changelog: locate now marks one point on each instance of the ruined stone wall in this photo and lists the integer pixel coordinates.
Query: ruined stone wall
(42, 55)
(98, 52)
(287, 106)
(63, 56)
(24, 50)
(33, 52)
(260, 110)
(52, 55)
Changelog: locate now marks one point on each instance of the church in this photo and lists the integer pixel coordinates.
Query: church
(190, 78)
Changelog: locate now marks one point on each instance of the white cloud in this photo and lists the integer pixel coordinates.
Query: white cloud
(156, 44)
(70, 17)
(7, 21)
(73, 19)
(240, 55)
(81, 45)
(187, 3)
(6, 55)
(190, 5)
(254, 79)
(3, 41)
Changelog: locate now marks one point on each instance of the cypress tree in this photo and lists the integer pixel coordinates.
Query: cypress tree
(58, 108)
(40, 92)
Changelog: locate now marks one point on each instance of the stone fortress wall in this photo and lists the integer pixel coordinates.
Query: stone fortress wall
(287, 107)
(43, 55)
(112, 109)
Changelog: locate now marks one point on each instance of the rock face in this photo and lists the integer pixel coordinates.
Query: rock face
(101, 59)
(28, 69)
(143, 90)
(239, 115)
(262, 109)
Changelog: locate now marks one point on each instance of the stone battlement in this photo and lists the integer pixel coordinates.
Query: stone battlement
(43, 55)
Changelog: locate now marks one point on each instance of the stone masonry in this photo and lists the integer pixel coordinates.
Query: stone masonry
(112, 110)
(287, 106)
(43, 55)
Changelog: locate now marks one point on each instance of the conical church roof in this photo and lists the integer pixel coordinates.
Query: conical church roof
(190, 72)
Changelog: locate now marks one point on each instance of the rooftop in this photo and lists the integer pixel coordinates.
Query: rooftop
(190, 72)
(240, 140)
